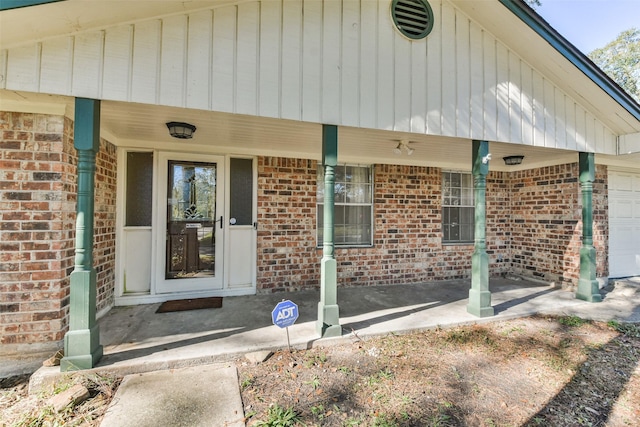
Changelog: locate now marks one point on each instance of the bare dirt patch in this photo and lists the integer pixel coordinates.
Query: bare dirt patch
(18, 408)
(527, 372)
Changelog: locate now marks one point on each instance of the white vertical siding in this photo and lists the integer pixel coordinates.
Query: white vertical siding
(146, 62)
(401, 83)
(385, 118)
(502, 112)
(515, 98)
(117, 63)
(490, 89)
(223, 67)
(549, 114)
(526, 75)
(368, 61)
(312, 60)
(418, 81)
(338, 61)
(291, 69)
(434, 73)
(57, 60)
(199, 53)
(270, 33)
(88, 64)
(350, 63)
(476, 40)
(463, 75)
(173, 61)
(537, 95)
(247, 58)
(22, 67)
(448, 106)
(331, 62)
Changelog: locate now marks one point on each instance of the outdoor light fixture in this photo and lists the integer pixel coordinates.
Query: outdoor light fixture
(403, 144)
(512, 160)
(181, 130)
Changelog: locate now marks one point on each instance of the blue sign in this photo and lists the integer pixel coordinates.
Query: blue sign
(285, 314)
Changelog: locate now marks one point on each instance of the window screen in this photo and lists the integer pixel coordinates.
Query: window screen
(139, 189)
(241, 187)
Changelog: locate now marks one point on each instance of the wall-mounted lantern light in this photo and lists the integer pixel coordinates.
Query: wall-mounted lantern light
(181, 130)
(512, 160)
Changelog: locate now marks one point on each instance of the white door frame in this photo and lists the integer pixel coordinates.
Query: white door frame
(157, 233)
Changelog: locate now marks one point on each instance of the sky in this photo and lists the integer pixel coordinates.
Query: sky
(590, 24)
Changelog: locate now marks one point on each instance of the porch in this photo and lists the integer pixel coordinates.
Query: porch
(137, 339)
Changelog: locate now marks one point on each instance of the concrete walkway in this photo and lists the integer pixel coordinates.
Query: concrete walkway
(137, 341)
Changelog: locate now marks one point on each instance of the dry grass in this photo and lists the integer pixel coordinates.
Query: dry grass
(535, 371)
(20, 409)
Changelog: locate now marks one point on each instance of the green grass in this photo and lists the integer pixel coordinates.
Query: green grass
(627, 329)
(278, 416)
(572, 321)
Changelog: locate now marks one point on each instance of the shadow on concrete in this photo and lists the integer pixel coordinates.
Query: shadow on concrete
(243, 324)
(504, 306)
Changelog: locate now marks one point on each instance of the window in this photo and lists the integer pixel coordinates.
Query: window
(139, 189)
(457, 207)
(353, 192)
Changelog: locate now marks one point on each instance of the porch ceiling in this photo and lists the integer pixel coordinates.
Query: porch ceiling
(138, 125)
(144, 126)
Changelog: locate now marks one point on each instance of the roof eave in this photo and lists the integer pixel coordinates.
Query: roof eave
(573, 55)
(16, 4)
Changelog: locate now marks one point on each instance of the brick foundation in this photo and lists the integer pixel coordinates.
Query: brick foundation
(37, 228)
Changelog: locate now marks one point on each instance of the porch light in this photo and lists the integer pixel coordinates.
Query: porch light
(512, 160)
(181, 130)
(403, 144)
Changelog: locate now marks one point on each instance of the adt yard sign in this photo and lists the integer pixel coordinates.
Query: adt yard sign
(285, 314)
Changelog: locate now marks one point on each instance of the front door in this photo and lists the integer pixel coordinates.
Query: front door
(192, 224)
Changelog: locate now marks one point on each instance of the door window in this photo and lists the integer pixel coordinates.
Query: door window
(191, 220)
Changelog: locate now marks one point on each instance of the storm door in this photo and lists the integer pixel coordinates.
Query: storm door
(193, 226)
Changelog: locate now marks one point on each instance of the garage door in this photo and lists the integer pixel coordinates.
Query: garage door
(624, 223)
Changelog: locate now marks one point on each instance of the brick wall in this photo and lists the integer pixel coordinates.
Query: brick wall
(498, 234)
(104, 248)
(287, 254)
(546, 223)
(407, 238)
(534, 227)
(37, 228)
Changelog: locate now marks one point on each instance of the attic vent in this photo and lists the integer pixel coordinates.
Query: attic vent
(413, 18)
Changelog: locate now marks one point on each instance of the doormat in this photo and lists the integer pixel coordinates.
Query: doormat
(189, 304)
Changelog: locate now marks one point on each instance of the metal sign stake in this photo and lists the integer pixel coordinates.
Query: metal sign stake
(284, 315)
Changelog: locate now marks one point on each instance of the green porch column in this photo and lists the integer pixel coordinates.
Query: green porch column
(328, 324)
(588, 288)
(479, 294)
(82, 349)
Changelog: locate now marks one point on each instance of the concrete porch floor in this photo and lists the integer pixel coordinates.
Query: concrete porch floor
(137, 339)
